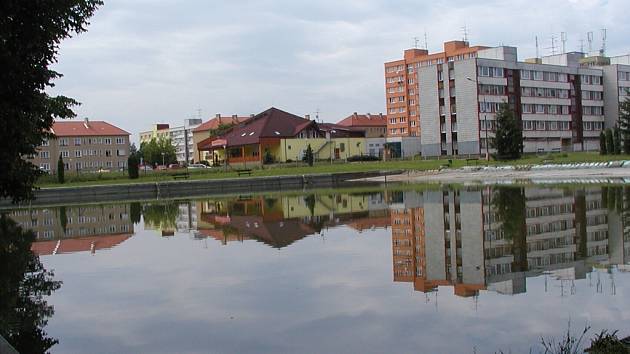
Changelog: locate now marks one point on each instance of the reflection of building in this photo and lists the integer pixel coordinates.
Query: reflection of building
(456, 237)
(72, 229)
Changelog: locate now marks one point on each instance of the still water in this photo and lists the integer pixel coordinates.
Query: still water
(451, 270)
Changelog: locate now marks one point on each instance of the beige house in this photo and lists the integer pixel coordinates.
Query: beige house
(85, 146)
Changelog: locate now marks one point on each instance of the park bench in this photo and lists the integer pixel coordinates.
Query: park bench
(179, 175)
(475, 160)
(244, 172)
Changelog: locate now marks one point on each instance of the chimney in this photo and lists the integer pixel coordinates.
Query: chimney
(380, 115)
(86, 123)
(307, 116)
(354, 114)
(218, 115)
(369, 116)
(252, 115)
(234, 116)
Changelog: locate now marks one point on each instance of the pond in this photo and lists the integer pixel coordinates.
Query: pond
(412, 270)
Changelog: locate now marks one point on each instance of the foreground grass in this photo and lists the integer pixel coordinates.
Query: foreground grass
(90, 179)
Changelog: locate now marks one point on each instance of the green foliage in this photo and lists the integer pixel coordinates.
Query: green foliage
(25, 282)
(616, 140)
(624, 124)
(133, 163)
(509, 134)
(30, 34)
(152, 152)
(603, 150)
(268, 158)
(308, 155)
(161, 216)
(568, 344)
(610, 143)
(220, 130)
(61, 170)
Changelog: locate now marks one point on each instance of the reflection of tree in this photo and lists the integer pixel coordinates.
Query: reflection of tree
(63, 218)
(24, 282)
(309, 200)
(509, 205)
(135, 211)
(162, 215)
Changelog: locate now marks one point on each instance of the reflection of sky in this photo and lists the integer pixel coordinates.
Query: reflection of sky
(331, 294)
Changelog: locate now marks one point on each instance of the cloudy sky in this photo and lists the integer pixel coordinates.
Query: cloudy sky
(164, 61)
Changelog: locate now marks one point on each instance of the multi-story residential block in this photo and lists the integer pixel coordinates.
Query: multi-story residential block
(181, 137)
(204, 131)
(616, 87)
(402, 92)
(85, 146)
(559, 103)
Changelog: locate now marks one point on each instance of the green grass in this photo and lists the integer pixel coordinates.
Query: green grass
(89, 179)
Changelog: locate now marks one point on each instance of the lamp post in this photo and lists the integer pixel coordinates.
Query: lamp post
(485, 119)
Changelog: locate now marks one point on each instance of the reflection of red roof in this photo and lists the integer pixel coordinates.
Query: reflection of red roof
(272, 123)
(370, 222)
(364, 120)
(79, 244)
(217, 121)
(85, 128)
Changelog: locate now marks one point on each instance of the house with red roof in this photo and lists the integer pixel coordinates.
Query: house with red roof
(84, 146)
(374, 126)
(278, 136)
(207, 130)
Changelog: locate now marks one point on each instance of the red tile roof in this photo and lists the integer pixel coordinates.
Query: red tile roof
(216, 121)
(86, 128)
(272, 123)
(80, 244)
(364, 120)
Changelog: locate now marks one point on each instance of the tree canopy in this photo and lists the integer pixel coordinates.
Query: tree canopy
(509, 134)
(30, 34)
(624, 124)
(151, 152)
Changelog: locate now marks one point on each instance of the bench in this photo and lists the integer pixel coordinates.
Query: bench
(179, 175)
(244, 172)
(476, 159)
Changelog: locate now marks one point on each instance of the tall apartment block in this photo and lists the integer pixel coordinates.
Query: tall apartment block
(562, 101)
(181, 137)
(85, 146)
(402, 92)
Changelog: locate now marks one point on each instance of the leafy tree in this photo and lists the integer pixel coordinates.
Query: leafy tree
(509, 134)
(133, 163)
(152, 151)
(610, 144)
(602, 143)
(30, 34)
(616, 140)
(308, 155)
(220, 130)
(60, 170)
(25, 283)
(624, 124)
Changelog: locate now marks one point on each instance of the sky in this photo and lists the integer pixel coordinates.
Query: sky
(143, 62)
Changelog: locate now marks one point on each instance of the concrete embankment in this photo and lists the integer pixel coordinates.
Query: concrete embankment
(180, 189)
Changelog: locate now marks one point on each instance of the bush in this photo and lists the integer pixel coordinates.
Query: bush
(133, 163)
(363, 158)
(60, 170)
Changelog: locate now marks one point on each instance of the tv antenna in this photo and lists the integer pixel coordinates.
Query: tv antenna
(563, 38)
(589, 38)
(415, 42)
(553, 45)
(317, 112)
(581, 45)
(602, 51)
(465, 33)
(537, 49)
(426, 41)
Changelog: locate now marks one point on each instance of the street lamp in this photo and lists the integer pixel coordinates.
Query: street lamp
(485, 119)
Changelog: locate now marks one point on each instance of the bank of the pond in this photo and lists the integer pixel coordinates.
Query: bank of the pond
(191, 188)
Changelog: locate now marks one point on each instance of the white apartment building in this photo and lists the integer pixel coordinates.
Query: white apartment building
(182, 139)
(560, 103)
(616, 86)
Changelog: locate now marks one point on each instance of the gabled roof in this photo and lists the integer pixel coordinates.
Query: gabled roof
(272, 123)
(79, 244)
(216, 121)
(85, 128)
(364, 120)
(340, 131)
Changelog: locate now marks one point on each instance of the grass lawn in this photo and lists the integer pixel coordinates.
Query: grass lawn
(87, 179)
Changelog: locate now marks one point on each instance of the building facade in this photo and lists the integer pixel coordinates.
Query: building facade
(181, 138)
(84, 146)
(204, 131)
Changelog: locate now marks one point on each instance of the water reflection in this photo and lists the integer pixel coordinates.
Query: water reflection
(24, 286)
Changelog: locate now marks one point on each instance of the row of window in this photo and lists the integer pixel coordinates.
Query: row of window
(394, 79)
(396, 99)
(544, 76)
(396, 89)
(398, 130)
(84, 153)
(488, 71)
(544, 92)
(623, 76)
(545, 109)
(591, 80)
(543, 125)
(89, 141)
(396, 110)
(592, 110)
(44, 166)
(592, 95)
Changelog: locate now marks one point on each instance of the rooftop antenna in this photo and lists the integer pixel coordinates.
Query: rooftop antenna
(199, 113)
(602, 51)
(426, 40)
(317, 114)
(589, 38)
(563, 38)
(537, 49)
(415, 42)
(553, 45)
(581, 45)
(465, 33)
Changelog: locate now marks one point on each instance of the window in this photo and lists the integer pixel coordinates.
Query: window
(65, 153)
(45, 142)
(402, 120)
(563, 125)
(63, 142)
(44, 166)
(540, 108)
(525, 74)
(108, 153)
(552, 125)
(77, 153)
(44, 154)
(484, 71)
(121, 152)
(538, 75)
(77, 141)
(120, 140)
(527, 108)
(392, 121)
(565, 110)
(527, 125)
(540, 125)
(77, 166)
(562, 77)
(107, 141)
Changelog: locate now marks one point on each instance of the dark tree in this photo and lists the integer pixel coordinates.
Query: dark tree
(24, 285)
(30, 34)
(624, 124)
(509, 134)
(616, 140)
(602, 143)
(610, 143)
(509, 206)
(61, 173)
(308, 155)
(133, 165)
(268, 158)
